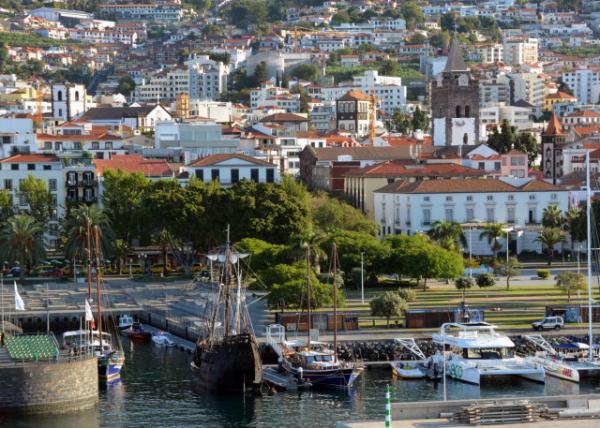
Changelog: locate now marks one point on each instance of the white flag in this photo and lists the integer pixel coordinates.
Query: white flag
(89, 316)
(19, 304)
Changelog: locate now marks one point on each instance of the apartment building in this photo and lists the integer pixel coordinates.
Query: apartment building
(517, 51)
(584, 83)
(160, 12)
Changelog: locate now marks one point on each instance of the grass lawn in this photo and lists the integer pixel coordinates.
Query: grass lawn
(522, 304)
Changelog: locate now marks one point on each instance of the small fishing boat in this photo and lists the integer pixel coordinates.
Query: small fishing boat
(137, 333)
(125, 321)
(422, 367)
(163, 340)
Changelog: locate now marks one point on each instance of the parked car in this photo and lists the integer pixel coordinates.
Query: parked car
(549, 323)
(14, 271)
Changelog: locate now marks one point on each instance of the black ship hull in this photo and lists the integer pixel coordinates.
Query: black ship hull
(232, 365)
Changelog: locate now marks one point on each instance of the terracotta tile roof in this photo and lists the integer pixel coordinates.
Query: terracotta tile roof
(587, 130)
(401, 140)
(584, 113)
(284, 117)
(354, 94)
(30, 158)
(214, 159)
(561, 96)
(554, 127)
(472, 185)
(363, 153)
(408, 168)
(134, 163)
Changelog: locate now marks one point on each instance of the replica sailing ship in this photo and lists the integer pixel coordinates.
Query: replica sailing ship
(227, 358)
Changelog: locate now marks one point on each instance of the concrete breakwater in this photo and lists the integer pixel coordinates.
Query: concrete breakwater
(49, 387)
(388, 350)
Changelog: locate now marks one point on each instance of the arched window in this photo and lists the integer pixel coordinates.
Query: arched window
(76, 95)
(466, 138)
(467, 111)
(458, 111)
(59, 95)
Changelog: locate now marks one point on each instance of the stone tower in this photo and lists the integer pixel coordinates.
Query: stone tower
(455, 102)
(68, 101)
(553, 140)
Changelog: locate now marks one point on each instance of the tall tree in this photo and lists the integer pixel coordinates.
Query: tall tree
(448, 234)
(412, 13)
(492, 232)
(419, 120)
(163, 240)
(550, 237)
(7, 208)
(388, 305)
(122, 199)
(39, 200)
(120, 251)
(509, 270)
(21, 240)
(78, 222)
(552, 216)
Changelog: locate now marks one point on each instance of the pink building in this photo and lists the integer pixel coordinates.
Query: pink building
(514, 164)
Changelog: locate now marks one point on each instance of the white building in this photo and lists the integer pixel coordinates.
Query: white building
(229, 169)
(17, 135)
(517, 51)
(200, 138)
(389, 92)
(158, 11)
(68, 101)
(410, 208)
(66, 184)
(269, 95)
(585, 84)
(208, 78)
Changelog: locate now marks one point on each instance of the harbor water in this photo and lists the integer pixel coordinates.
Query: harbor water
(157, 391)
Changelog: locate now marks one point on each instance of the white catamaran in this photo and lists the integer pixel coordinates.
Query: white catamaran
(477, 351)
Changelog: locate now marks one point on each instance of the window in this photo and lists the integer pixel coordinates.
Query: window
(426, 198)
(532, 197)
(469, 198)
(31, 167)
(72, 178)
(497, 166)
(457, 112)
(47, 167)
(490, 197)
(490, 215)
(470, 214)
(554, 196)
(449, 214)
(254, 175)
(467, 111)
(481, 166)
(76, 146)
(511, 197)
(448, 198)
(52, 184)
(200, 174)
(8, 184)
(510, 214)
(426, 216)
(270, 175)
(214, 174)
(532, 215)
(48, 145)
(14, 166)
(235, 175)
(95, 145)
(59, 96)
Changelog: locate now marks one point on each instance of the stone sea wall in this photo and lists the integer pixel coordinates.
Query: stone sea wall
(49, 387)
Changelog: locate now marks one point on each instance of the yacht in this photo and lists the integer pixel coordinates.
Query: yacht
(476, 351)
(566, 361)
(125, 321)
(110, 361)
(162, 339)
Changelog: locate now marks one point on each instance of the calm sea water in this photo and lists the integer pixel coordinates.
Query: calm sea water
(156, 391)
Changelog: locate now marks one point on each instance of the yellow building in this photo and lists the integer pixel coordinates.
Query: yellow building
(558, 97)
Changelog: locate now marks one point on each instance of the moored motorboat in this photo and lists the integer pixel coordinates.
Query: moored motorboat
(125, 321)
(137, 333)
(420, 368)
(162, 339)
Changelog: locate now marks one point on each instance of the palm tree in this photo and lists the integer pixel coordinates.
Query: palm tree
(448, 234)
(550, 236)
(164, 240)
(21, 240)
(492, 232)
(552, 216)
(314, 241)
(120, 251)
(573, 225)
(81, 220)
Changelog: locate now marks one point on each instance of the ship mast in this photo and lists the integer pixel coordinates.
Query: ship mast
(227, 288)
(97, 248)
(88, 248)
(334, 300)
(308, 291)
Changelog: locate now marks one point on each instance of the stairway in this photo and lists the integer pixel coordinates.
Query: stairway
(4, 357)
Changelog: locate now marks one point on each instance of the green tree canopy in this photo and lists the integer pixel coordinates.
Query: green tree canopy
(350, 246)
(330, 214)
(412, 13)
(550, 237)
(39, 200)
(21, 241)
(388, 305)
(570, 282)
(310, 72)
(126, 85)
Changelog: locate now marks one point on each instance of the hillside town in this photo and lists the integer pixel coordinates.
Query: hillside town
(378, 158)
(358, 98)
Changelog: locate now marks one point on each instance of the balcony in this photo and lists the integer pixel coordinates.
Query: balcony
(71, 183)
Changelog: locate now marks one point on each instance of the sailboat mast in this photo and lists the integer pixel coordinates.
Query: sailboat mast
(334, 299)
(227, 288)
(88, 238)
(588, 210)
(97, 248)
(308, 292)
